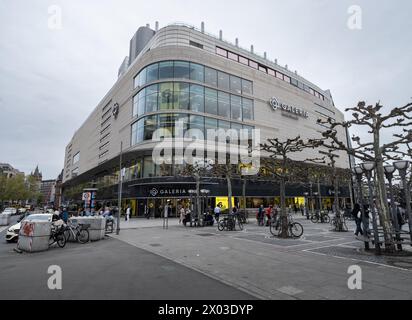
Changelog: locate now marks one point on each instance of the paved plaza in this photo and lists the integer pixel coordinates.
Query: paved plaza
(312, 267)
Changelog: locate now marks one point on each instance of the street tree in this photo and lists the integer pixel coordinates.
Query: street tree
(280, 167)
(374, 150)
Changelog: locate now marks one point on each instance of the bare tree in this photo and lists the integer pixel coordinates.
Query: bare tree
(279, 166)
(374, 150)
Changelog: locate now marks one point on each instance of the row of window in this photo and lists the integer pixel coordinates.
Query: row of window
(238, 58)
(186, 96)
(143, 129)
(193, 71)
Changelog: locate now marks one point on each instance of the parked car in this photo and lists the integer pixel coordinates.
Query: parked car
(13, 232)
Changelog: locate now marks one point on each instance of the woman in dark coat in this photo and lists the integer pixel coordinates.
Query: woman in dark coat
(357, 215)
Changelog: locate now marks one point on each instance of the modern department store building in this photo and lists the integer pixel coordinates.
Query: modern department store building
(181, 73)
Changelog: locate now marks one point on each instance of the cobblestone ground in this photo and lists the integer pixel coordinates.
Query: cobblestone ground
(314, 266)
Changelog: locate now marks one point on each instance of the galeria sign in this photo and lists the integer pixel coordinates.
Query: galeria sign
(275, 104)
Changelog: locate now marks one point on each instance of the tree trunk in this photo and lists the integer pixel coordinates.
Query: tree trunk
(229, 191)
(382, 198)
(283, 215)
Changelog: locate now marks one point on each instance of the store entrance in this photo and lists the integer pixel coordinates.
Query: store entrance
(156, 207)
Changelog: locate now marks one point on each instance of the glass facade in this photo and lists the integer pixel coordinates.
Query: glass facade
(186, 96)
(143, 129)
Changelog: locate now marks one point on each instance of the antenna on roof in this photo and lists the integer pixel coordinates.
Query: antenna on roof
(286, 67)
(265, 55)
(202, 27)
(157, 26)
(237, 42)
(251, 48)
(220, 34)
(147, 25)
(276, 61)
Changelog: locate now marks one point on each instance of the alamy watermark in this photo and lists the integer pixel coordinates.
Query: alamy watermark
(54, 282)
(355, 280)
(219, 146)
(54, 21)
(355, 17)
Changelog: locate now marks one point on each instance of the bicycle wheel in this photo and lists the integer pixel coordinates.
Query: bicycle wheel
(240, 223)
(296, 229)
(273, 229)
(221, 225)
(83, 236)
(61, 240)
(314, 219)
(67, 234)
(326, 219)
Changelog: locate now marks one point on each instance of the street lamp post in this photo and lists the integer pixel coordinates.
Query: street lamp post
(368, 168)
(358, 173)
(315, 199)
(193, 204)
(389, 170)
(402, 166)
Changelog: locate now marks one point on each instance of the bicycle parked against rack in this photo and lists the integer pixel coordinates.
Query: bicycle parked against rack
(322, 218)
(295, 229)
(229, 223)
(57, 235)
(78, 232)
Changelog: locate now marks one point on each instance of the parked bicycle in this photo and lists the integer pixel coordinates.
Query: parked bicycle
(339, 222)
(243, 217)
(57, 235)
(295, 229)
(229, 223)
(78, 232)
(322, 217)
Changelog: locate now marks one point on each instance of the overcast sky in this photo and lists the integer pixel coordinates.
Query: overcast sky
(50, 80)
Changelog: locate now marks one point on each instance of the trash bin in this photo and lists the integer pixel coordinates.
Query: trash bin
(34, 236)
(5, 219)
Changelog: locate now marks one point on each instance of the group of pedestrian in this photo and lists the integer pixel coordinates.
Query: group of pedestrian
(264, 216)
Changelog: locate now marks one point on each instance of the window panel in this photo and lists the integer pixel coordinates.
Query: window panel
(236, 107)
(210, 101)
(243, 60)
(223, 104)
(181, 70)
(181, 95)
(286, 78)
(294, 82)
(235, 84)
(148, 167)
(253, 64)
(166, 70)
(211, 77)
(152, 73)
(271, 72)
(150, 125)
(300, 85)
(247, 87)
(167, 122)
(210, 123)
(151, 98)
(221, 52)
(262, 68)
(224, 124)
(197, 98)
(247, 109)
(197, 72)
(137, 132)
(223, 81)
(232, 56)
(279, 75)
(142, 77)
(196, 122)
(166, 96)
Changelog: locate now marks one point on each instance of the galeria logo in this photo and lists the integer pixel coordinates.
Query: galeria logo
(275, 104)
(154, 192)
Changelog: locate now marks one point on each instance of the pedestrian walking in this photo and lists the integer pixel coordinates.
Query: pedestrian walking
(268, 215)
(182, 214)
(260, 215)
(217, 212)
(128, 213)
(357, 215)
